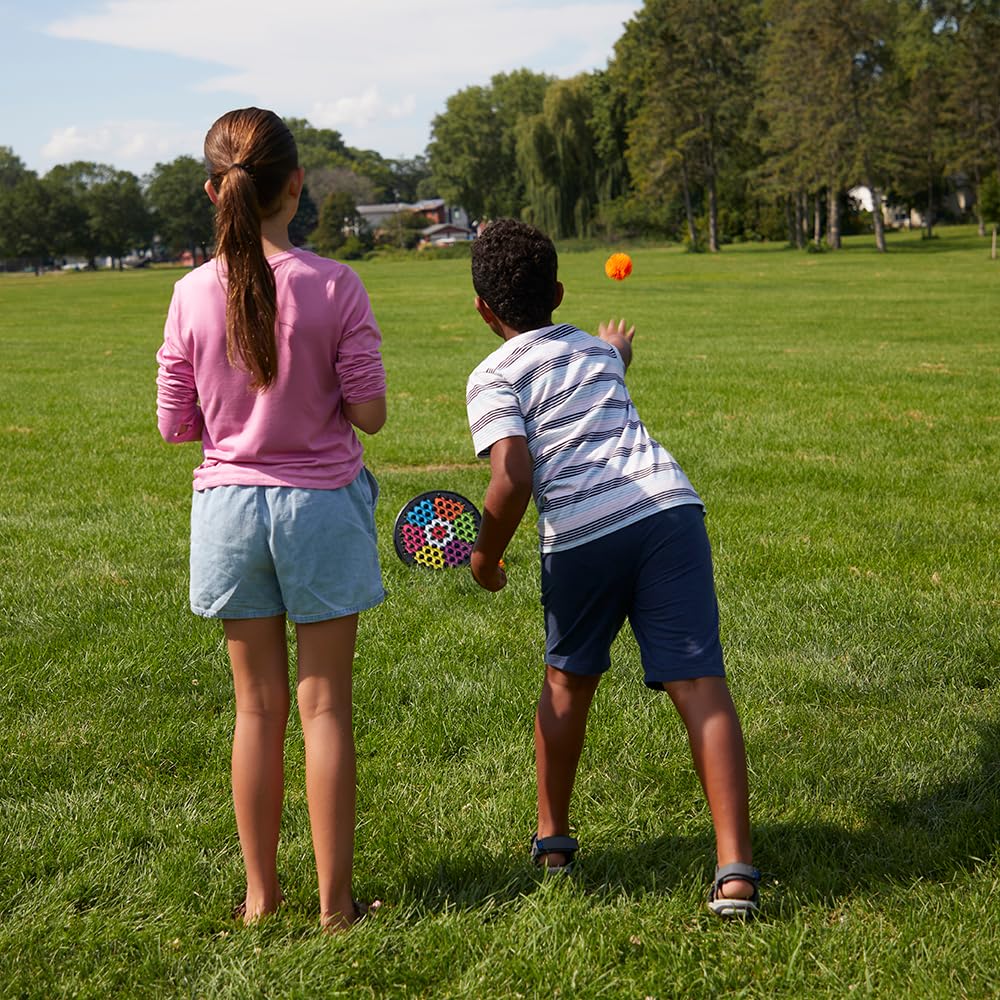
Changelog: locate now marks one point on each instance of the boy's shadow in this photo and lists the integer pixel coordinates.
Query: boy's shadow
(928, 836)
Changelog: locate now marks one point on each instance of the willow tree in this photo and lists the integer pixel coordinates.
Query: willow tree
(473, 148)
(556, 162)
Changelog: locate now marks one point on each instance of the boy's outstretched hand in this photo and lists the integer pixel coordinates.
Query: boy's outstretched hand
(618, 337)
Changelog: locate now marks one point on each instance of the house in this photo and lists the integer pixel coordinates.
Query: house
(434, 209)
(955, 203)
(445, 234)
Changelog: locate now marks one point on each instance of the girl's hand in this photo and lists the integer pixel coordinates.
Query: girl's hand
(489, 577)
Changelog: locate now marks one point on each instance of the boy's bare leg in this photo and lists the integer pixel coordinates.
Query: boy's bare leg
(716, 740)
(325, 662)
(560, 726)
(259, 658)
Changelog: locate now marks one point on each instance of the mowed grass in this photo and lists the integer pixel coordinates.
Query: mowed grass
(838, 413)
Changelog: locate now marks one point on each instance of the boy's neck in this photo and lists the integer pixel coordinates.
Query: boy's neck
(509, 333)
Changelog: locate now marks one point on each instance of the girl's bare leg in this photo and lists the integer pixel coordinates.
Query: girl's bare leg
(259, 658)
(326, 658)
(560, 727)
(716, 739)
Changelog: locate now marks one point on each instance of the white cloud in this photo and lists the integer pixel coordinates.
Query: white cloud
(358, 66)
(128, 145)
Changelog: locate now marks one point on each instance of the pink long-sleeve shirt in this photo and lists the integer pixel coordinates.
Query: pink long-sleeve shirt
(295, 433)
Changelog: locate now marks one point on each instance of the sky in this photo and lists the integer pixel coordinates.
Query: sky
(133, 83)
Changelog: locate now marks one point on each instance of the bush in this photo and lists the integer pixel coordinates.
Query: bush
(351, 249)
(461, 250)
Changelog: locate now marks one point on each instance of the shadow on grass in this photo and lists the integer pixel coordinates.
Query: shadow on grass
(929, 836)
(949, 243)
(949, 829)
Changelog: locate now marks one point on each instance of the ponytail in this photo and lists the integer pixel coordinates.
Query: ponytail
(250, 154)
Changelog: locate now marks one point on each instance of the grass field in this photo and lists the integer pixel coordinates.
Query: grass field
(839, 414)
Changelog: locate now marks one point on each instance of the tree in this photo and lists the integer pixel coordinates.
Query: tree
(324, 181)
(69, 186)
(337, 219)
(924, 51)
(555, 158)
(973, 102)
(12, 168)
(473, 148)
(25, 228)
(807, 137)
(403, 230)
(691, 59)
(183, 213)
(408, 176)
(117, 214)
(828, 98)
(318, 147)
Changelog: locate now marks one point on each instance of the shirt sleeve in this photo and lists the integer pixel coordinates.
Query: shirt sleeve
(178, 414)
(359, 358)
(494, 411)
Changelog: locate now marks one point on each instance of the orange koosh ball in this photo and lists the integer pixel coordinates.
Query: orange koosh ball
(618, 266)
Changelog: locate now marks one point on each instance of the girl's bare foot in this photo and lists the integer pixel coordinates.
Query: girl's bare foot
(340, 920)
(251, 912)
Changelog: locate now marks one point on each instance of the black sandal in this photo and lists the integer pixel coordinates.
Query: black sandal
(554, 845)
(735, 909)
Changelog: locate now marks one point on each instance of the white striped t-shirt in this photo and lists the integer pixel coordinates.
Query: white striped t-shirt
(595, 468)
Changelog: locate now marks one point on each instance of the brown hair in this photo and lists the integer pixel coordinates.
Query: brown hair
(249, 154)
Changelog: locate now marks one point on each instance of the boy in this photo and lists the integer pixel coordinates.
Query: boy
(621, 533)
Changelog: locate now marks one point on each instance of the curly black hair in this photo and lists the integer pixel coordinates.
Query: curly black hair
(514, 271)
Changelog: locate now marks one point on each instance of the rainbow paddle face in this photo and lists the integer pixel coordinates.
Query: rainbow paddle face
(436, 530)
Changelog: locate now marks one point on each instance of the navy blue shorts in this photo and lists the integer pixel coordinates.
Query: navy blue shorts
(658, 574)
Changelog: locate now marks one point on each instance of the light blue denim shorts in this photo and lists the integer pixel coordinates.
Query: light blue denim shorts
(258, 551)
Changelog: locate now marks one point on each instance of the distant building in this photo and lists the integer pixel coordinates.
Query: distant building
(434, 209)
(446, 233)
(957, 201)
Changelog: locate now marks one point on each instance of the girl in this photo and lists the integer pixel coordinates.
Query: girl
(271, 358)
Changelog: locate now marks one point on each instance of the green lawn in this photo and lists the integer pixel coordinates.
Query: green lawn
(839, 414)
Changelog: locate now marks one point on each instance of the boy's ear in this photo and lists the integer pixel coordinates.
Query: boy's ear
(560, 291)
(489, 316)
(485, 311)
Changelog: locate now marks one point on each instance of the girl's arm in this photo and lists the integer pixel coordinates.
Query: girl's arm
(178, 414)
(368, 416)
(507, 498)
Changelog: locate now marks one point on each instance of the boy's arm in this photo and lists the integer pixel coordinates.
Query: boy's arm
(507, 498)
(619, 338)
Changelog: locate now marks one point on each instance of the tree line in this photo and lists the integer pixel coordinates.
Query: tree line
(722, 119)
(92, 210)
(713, 120)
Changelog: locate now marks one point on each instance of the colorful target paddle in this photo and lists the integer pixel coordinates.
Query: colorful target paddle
(436, 530)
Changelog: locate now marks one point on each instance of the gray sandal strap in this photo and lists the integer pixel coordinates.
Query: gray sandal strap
(550, 845)
(737, 870)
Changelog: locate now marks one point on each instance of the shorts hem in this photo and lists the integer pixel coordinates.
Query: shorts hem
(229, 614)
(324, 616)
(236, 616)
(569, 668)
(692, 674)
